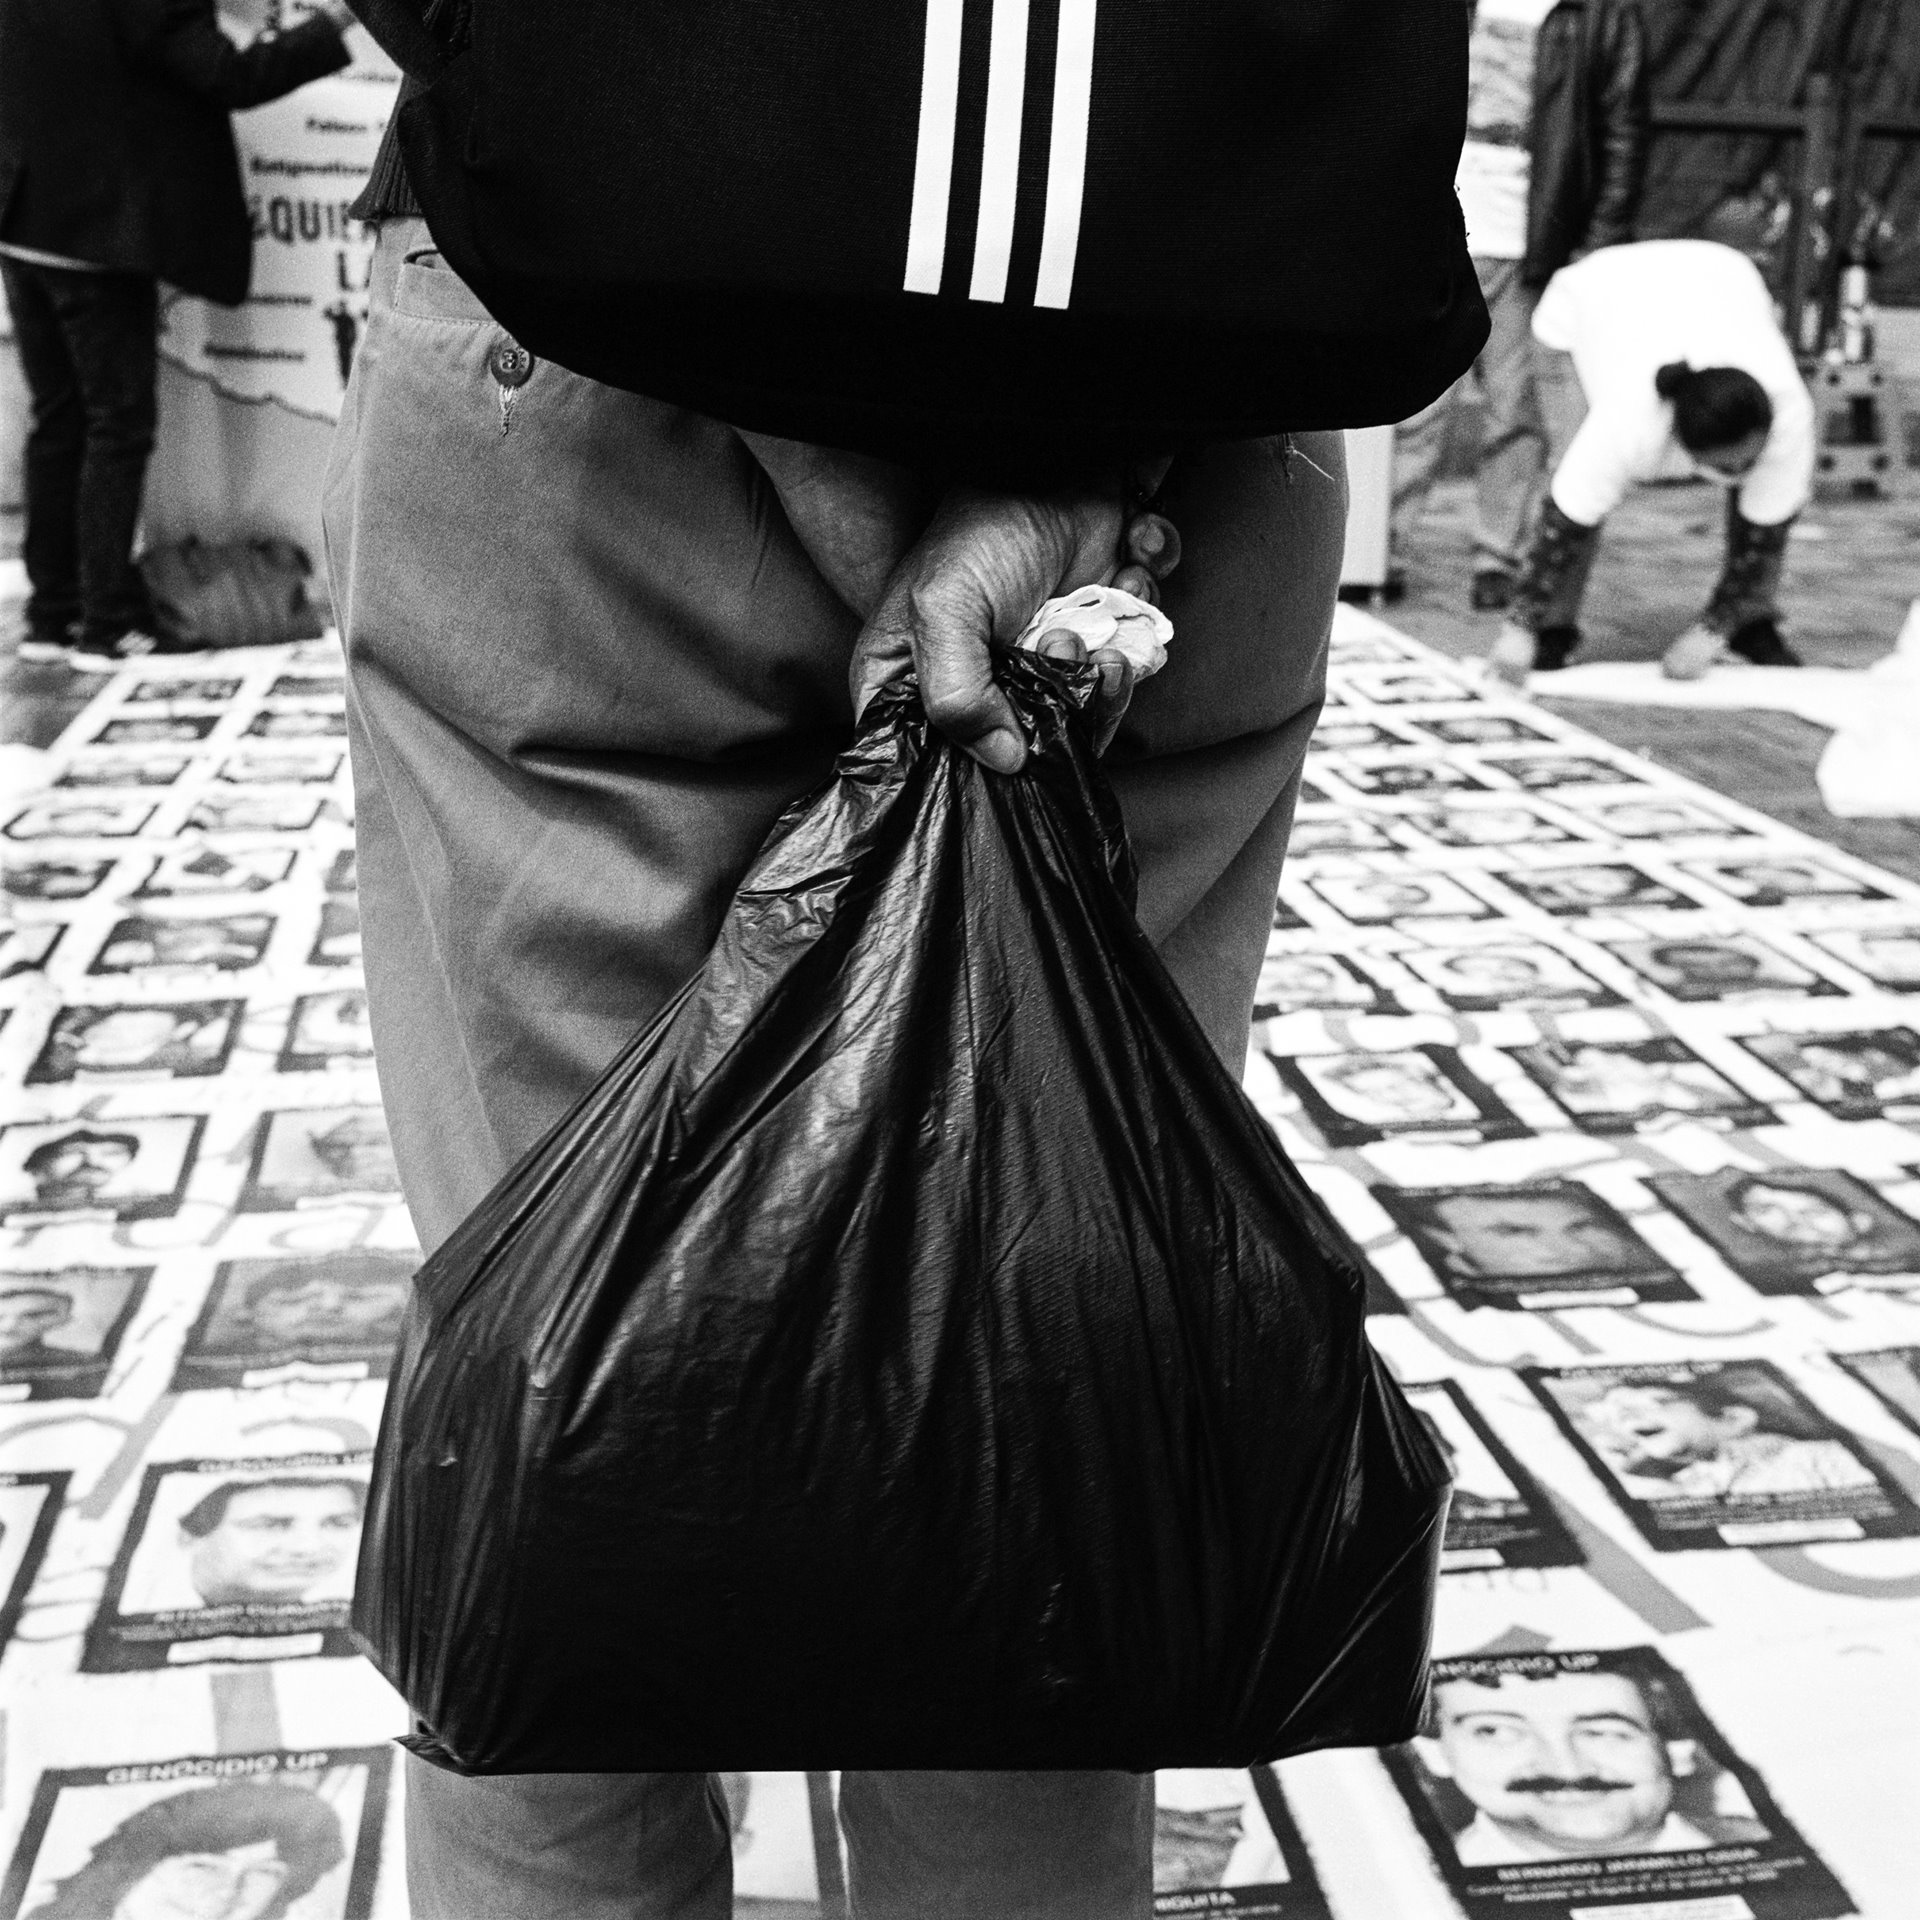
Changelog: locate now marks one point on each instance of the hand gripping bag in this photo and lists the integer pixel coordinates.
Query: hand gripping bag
(915, 1351)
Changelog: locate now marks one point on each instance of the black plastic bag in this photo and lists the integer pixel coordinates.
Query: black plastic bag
(914, 1352)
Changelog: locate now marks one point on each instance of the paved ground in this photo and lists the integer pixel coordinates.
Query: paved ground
(1853, 570)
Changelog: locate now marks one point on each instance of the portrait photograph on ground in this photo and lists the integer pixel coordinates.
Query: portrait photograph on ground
(297, 723)
(1892, 1376)
(153, 730)
(1539, 771)
(286, 1835)
(64, 879)
(328, 1030)
(1407, 775)
(104, 1170)
(1413, 684)
(190, 870)
(1778, 880)
(1225, 1841)
(254, 813)
(1784, 1230)
(60, 1330)
(80, 819)
(1669, 816)
(1621, 1086)
(261, 768)
(28, 949)
(223, 1560)
(1858, 1075)
(1498, 1516)
(319, 1157)
(229, 944)
(337, 942)
(1726, 966)
(1494, 825)
(1535, 1245)
(1326, 982)
(1604, 887)
(308, 686)
(1721, 1453)
(1511, 973)
(343, 872)
(1374, 899)
(30, 1504)
(197, 690)
(322, 1316)
(125, 770)
(1572, 1784)
(1480, 729)
(1888, 956)
(1356, 1098)
(178, 1040)
(1343, 833)
(1348, 736)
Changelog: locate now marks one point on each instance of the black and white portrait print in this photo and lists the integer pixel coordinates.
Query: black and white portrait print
(1320, 982)
(58, 1170)
(1778, 880)
(1511, 973)
(1888, 956)
(319, 1157)
(248, 812)
(80, 817)
(1859, 1075)
(60, 1329)
(1498, 824)
(1622, 1086)
(1355, 1098)
(1724, 966)
(188, 871)
(124, 770)
(1375, 899)
(1224, 1841)
(143, 942)
(55, 879)
(174, 1040)
(1498, 1516)
(1539, 771)
(156, 730)
(322, 1316)
(1604, 887)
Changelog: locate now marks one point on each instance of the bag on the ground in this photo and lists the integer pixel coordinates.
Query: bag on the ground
(914, 227)
(234, 593)
(914, 1352)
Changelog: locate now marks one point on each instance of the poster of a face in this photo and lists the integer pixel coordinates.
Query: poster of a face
(328, 1030)
(1488, 826)
(308, 686)
(1408, 686)
(1784, 1230)
(297, 723)
(1726, 966)
(191, 870)
(1620, 1086)
(337, 944)
(156, 730)
(201, 691)
(343, 874)
(1357, 1098)
(319, 1157)
(1601, 888)
(285, 769)
(1721, 1453)
(1661, 817)
(1531, 1245)
(1373, 899)
(30, 1504)
(230, 944)
(1515, 973)
(1328, 982)
(125, 770)
(180, 1040)
(28, 949)
(62, 879)
(1892, 1375)
(1342, 834)
(1858, 1075)
(331, 1316)
(1888, 956)
(235, 1836)
(53, 1170)
(234, 1559)
(1539, 771)
(59, 1331)
(1224, 1841)
(1498, 1516)
(1481, 730)
(99, 817)
(1345, 736)
(1407, 775)
(254, 813)
(1534, 1766)
(1777, 880)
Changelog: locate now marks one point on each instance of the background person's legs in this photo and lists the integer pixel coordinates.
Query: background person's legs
(588, 665)
(56, 439)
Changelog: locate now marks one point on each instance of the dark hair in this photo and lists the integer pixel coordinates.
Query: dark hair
(210, 1509)
(42, 1156)
(304, 1829)
(1663, 1710)
(1713, 407)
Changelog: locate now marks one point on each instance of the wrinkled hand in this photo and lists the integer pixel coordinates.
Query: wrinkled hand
(978, 574)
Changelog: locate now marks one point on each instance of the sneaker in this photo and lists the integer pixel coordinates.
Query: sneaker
(1551, 646)
(1512, 657)
(1492, 590)
(1759, 644)
(107, 656)
(1693, 654)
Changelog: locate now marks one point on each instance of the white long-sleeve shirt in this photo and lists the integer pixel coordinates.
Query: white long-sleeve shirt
(1625, 312)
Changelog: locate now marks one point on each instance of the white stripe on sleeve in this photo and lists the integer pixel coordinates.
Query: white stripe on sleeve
(1000, 151)
(1067, 157)
(933, 158)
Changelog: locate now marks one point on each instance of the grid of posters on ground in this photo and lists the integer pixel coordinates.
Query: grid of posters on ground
(1617, 1084)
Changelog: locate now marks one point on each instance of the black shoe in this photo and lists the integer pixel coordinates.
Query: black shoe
(1551, 646)
(93, 655)
(1759, 643)
(1492, 590)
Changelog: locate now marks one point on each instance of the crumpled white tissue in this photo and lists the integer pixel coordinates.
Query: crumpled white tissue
(1107, 617)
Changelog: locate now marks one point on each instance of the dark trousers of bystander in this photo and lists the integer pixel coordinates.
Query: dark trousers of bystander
(86, 343)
